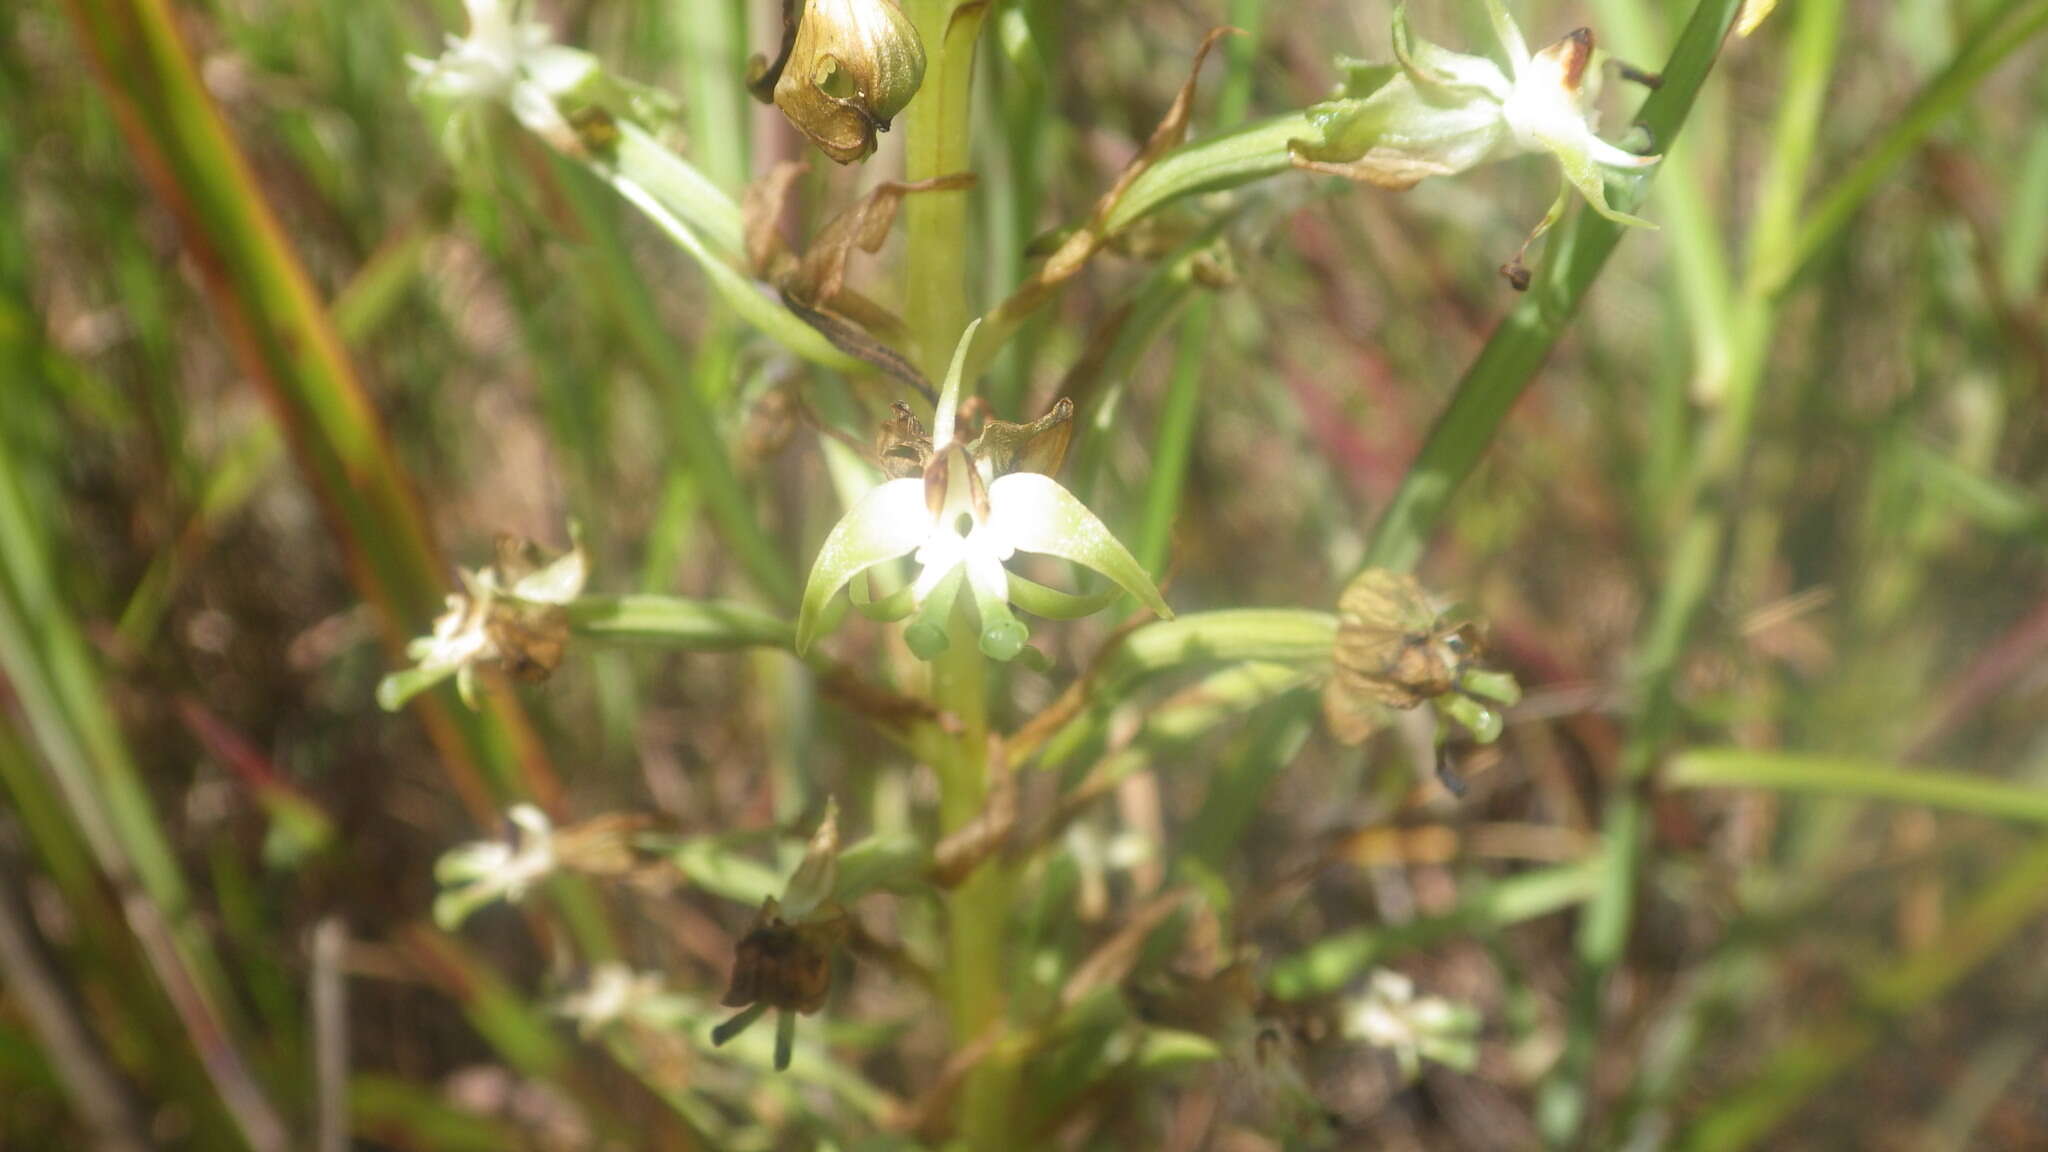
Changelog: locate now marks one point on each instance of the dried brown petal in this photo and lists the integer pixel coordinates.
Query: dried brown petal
(1393, 650)
(530, 638)
(902, 447)
(784, 965)
(1040, 446)
(853, 65)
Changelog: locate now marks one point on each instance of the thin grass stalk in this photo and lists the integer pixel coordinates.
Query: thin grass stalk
(691, 420)
(285, 341)
(1993, 39)
(1516, 350)
(82, 1066)
(49, 668)
(1604, 931)
(1174, 442)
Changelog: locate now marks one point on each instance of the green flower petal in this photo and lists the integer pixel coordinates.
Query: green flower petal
(889, 609)
(1484, 723)
(1585, 175)
(560, 581)
(818, 875)
(926, 635)
(1442, 76)
(1491, 685)
(1037, 515)
(1509, 35)
(1002, 634)
(888, 522)
(946, 413)
(1053, 604)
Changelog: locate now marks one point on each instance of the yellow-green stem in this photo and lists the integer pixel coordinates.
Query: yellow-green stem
(935, 307)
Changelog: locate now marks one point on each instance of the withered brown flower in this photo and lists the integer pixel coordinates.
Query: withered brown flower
(786, 965)
(847, 68)
(1394, 650)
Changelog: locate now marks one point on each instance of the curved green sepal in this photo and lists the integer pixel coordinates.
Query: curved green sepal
(1499, 687)
(1037, 515)
(889, 609)
(1584, 174)
(1053, 604)
(888, 522)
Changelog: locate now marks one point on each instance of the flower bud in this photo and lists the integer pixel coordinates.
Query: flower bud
(853, 66)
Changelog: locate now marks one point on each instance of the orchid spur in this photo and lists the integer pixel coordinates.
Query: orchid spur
(1003, 512)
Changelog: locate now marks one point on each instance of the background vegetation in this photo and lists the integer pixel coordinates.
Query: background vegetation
(1757, 512)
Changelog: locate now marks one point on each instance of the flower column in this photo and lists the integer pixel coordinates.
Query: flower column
(936, 311)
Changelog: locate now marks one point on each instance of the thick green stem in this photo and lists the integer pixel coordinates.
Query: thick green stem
(935, 301)
(936, 308)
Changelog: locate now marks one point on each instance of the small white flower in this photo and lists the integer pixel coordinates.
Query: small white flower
(483, 872)
(960, 524)
(615, 993)
(507, 613)
(1439, 112)
(1389, 1016)
(505, 60)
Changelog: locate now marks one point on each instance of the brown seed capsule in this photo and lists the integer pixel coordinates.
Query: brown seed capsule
(1394, 650)
(853, 65)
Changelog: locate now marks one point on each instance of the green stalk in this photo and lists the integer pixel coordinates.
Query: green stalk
(1523, 341)
(1993, 39)
(1862, 779)
(1176, 437)
(936, 308)
(49, 669)
(1604, 931)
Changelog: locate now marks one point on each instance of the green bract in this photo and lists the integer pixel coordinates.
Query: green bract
(1003, 513)
(1436, 112)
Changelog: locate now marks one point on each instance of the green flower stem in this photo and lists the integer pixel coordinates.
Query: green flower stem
(1251, 152)
(935, 300)
(671, 622)
(1578, 252)
(936, 309)
(1863, 779)
(1604, 931)
(1175, 443)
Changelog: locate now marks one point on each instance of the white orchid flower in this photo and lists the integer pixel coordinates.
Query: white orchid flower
(1390, 1016)
(506, 60)
(961, 524)
(1437, 112)
(615, 993)
(485, 871)
(509, 613)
